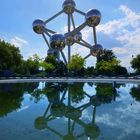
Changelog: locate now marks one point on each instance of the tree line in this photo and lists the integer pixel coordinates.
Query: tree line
(12, 63)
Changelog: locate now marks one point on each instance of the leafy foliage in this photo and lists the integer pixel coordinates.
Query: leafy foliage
(11, 96)
(108, 64)
(105, 55)
(57, 67)
(76, 64)
(105, 93)
(10, 57)
(76, 91)
(33, 64)
(135, 92)
(136, 63)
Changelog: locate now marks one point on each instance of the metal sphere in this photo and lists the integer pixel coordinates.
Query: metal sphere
(54, 52)
(40, 123)
(69, 39)
(38, 26)
(78, 37)
(93, 17)
(69, 6)
(96, 49)
(92, 131)
(57, 41)
(69, 137)
(72, 112)
(50, 52)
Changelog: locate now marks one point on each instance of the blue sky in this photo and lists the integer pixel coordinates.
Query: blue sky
(119, 29)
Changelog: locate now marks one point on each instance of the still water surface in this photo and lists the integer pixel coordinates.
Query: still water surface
(69, 111)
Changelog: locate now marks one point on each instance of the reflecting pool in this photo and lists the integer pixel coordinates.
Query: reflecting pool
(69, 111)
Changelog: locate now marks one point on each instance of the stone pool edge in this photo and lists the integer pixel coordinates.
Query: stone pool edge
(71, 80)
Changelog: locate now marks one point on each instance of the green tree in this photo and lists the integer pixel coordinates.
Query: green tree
(22, 69)
(90, 71)
(135, 63)
(135, 92)
(33, 64)
(108, 64)
(105, 55)
(59, 68)
(47, 66)
(119, 70)
(11, 96)
(76, 64)
(107, 67)
(10, 57)
(76, 91)
(51, 59)
(105, 93)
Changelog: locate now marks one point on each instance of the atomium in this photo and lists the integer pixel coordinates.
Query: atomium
(69, 6)
(69, 39)
(58, 42)
(78, 37)
(92, 131)
(54, 52)
(96, 49)
(38, 26)
(40, 123)
(93, 17)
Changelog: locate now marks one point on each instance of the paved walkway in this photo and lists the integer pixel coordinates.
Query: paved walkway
(71, 80)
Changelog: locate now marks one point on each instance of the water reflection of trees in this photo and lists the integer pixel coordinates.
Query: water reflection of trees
(61, 97)
(135, 92)
(11, 96)
(77, 92)
(106, 93)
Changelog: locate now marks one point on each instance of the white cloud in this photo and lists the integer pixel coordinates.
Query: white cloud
(130, 19)
(131, 46)
(18, 42)
(126, 31)
(110, 27)
(119, 51)
(130, 37)
(2, 38)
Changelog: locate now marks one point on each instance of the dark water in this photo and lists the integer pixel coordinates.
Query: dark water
(74, 111)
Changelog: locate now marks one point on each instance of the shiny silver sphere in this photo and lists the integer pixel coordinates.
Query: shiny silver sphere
(93, 17)
(96, 49)
(78, 37)
(69, 6)
(69, 39)
(38, 26)
(54, 52)
(57, 41)
(50, 52)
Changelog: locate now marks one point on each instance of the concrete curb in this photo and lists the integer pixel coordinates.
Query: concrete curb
(71, 80)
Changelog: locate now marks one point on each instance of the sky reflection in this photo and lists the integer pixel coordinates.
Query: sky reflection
(58, 111)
